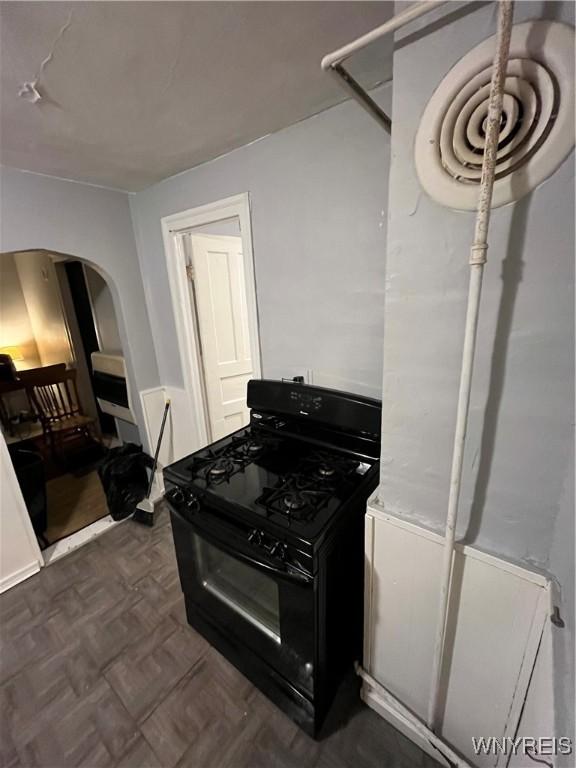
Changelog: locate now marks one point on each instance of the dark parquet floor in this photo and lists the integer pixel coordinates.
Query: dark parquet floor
(99, 668)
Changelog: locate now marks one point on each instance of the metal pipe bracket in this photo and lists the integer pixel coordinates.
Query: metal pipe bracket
(478, 253)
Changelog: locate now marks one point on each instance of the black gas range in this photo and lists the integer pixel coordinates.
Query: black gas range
(268, 529)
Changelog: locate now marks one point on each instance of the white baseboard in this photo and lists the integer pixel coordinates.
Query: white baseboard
(20, 575)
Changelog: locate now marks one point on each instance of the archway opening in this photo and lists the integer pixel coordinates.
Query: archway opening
(64, 397)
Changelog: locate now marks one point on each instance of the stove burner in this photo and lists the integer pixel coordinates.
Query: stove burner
(325, 466)
(294, 501)
(216, 466)
(254, 447)
(295, 497)
(246, 448)
(221, 467)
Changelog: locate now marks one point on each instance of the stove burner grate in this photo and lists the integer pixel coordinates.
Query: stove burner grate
(247, 447)
(295, 497)
(217, 466)
(326, 466)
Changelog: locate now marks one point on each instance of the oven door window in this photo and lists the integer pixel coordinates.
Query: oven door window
(250, 593)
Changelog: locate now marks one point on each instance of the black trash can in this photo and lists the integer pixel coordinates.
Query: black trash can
(124, 477)
(29, 468)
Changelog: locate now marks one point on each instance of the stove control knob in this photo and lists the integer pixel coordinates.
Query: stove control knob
(176, 496)
(191, 502)
(256, 537)
(278, 549)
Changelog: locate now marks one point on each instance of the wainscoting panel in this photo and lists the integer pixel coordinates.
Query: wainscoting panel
(497, 615)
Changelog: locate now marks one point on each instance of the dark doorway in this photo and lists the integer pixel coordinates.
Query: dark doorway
(87, 327)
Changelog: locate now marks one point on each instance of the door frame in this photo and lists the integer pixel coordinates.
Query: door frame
(173, 228)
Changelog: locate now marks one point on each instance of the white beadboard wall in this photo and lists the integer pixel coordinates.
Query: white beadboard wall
(179, 435)
(497, 616)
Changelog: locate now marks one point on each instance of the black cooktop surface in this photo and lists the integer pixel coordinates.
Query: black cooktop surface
(285, 481)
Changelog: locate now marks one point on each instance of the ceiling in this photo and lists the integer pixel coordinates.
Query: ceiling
(134, 92)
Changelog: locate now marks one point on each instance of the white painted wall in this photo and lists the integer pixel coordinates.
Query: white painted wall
(15, 327)
(41, 292)
(92, 224)
(518, 452)
(318, 200)
(519, 458)
(103, 312)
(20, 555)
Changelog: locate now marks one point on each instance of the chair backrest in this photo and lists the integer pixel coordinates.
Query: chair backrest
(40, 375)
(54, 394)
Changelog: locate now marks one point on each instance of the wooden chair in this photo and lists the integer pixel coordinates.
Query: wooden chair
(23, 382)
(40, 375)
(55, 399)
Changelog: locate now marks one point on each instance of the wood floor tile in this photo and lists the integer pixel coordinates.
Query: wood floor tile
(72, 570)
(8, 751)
(204, 696)
(140, 755)
(24, 649)
(146, 672)
(162, 589)
(108, 635)
(74, 501)
(212, 747)
(95, 730)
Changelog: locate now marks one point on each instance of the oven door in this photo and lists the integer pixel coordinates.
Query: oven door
(253, 600)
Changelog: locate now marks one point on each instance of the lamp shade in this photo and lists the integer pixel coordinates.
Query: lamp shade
(14, 352)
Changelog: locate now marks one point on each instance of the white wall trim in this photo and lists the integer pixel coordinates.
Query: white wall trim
(15, 578)
(173, 227)
(376, 508)
(368, 586)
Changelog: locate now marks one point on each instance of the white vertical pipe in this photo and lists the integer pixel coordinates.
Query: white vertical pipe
(477, 261)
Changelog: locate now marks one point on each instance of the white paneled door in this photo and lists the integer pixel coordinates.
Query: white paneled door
(219, 294)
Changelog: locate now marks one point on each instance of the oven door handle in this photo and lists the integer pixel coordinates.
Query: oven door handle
(286, 571)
